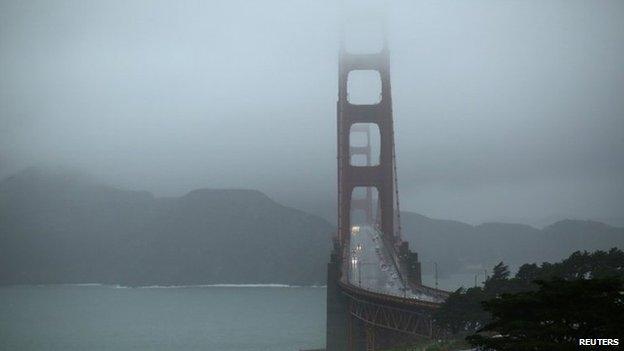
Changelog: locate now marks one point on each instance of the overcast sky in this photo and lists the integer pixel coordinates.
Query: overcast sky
(504, 110)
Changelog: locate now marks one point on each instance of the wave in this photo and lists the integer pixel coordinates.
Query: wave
(118, 286)
(274, 285)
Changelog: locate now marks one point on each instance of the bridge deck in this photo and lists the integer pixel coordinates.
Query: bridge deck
(370, 266)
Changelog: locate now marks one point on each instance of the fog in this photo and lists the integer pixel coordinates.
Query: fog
(504, 110)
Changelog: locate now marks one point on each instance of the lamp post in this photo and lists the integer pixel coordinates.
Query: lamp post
(359, 274)
(353, 265)
(350, 272)
(435, 270)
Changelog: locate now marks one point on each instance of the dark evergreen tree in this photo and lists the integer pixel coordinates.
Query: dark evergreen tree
(498, 282)
(462, 312)
(555, 316)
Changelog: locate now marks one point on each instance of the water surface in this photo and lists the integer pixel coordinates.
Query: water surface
(226, 318)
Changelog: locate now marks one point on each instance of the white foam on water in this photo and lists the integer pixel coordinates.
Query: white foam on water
(118, 286)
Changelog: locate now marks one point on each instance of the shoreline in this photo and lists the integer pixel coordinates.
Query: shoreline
(186, 286)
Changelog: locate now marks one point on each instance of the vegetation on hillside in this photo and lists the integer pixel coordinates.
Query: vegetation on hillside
(555, 316)
(546, 307)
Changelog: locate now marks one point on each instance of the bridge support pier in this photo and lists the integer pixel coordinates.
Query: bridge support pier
(339, 325)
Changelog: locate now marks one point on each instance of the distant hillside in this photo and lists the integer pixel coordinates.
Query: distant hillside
(457, 246)
(58, 228)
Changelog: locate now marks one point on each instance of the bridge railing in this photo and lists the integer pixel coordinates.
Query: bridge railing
(429, 295)
(378, 294)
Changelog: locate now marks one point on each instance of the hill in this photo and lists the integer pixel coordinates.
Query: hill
(63, 228)
(60, 228)
(459, 246)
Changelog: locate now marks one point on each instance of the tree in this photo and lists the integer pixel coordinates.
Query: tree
(597, 264)
(499, 282)
(555, 316)
(462, 312)
(499, 272)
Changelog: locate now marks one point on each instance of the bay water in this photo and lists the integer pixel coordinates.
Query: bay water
(219, 318)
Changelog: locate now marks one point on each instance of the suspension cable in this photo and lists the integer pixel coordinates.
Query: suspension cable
(396, 187)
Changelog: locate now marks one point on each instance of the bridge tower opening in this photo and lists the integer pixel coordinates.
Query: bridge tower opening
(364, 152)
(363, 206)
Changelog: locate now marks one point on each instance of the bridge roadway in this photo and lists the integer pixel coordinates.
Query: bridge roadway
(371, 267)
